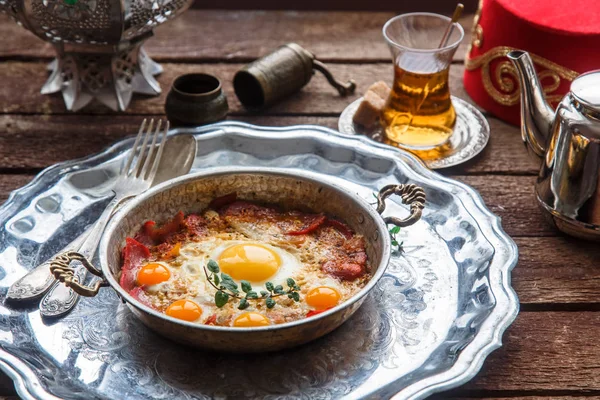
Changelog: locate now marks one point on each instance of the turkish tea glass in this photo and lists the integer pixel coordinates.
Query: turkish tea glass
(419, 114)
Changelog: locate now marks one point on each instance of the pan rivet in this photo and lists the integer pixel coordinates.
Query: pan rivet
(376, 236)
(361, 218)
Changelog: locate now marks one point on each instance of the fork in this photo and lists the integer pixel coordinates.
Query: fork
(134, 179)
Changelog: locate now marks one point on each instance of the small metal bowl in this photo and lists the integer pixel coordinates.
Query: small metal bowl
(297, 190)
(196, 99)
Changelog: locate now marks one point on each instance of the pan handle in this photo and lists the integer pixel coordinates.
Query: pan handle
(411, 194)
(62, 270)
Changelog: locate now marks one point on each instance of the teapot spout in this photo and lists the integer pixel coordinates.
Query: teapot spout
(537, 115)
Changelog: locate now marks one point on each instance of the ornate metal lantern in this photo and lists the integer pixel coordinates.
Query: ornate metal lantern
(98, 45)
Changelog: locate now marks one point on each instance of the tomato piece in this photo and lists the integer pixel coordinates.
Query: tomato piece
(196, 224)
(340, 227)
(348, 271)
(141, 296)
(143, 237)
(174, 252)
(315, 312)
(134, 253)
(315, 223)
(212, 320)
(160, 235)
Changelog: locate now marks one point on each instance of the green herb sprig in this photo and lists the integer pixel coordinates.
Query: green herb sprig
(227, 289)
(375, 197)
(393, 232)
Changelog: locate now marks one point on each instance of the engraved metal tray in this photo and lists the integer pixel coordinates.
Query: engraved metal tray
(439, 310)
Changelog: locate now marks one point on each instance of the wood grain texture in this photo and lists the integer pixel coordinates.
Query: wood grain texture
(439, 6)
(519, 212)
(545, 351)
(7, 388)
(24, 137)
(208, 35)
(516, 207)
(8, 183)
(558, 270)
(59, 138)
(22, 81)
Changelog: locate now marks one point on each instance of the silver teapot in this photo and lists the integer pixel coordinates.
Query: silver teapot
(567, 143)
(98, 45)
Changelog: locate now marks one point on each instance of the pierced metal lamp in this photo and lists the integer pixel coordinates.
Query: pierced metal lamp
(98, 45)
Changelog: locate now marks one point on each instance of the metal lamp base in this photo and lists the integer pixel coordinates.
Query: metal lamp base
(110, 77)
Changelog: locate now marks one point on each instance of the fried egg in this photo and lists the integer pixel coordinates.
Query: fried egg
(323, 297)
(180, 288)
(257, 251)
(186, 310)
(249, 319)
(153, 274)
(257, 263)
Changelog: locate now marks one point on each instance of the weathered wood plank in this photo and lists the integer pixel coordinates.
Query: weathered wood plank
(512, 199)
(7, 388)
(22, 82)
(439, 6)
(23, 139)
(8, 183)
(557, 270)
(63, 137)
(545, 351)
(202, 35)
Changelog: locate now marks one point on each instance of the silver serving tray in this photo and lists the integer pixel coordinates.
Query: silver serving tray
(440, 309)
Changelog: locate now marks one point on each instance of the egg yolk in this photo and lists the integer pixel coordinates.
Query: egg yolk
(251, 319)
(186, 310)
(322, 297)
(153, 273)
(251, 262)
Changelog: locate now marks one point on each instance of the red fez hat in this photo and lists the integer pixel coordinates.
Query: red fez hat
(562, 36)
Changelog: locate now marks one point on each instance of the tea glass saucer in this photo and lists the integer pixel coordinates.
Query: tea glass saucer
(470, 136)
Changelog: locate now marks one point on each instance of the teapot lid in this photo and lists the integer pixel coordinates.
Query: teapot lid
(586, 89)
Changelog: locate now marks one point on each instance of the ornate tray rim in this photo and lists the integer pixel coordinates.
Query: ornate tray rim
(471, 358)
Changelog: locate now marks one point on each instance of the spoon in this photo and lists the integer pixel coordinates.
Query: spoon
(178, 156)
(457, 13)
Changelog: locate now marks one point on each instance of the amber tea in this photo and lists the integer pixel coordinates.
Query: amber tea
(419, 114)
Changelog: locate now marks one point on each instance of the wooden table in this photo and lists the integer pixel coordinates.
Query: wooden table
(551, 350)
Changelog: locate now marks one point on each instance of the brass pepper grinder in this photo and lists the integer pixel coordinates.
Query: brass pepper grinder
(280, 74)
